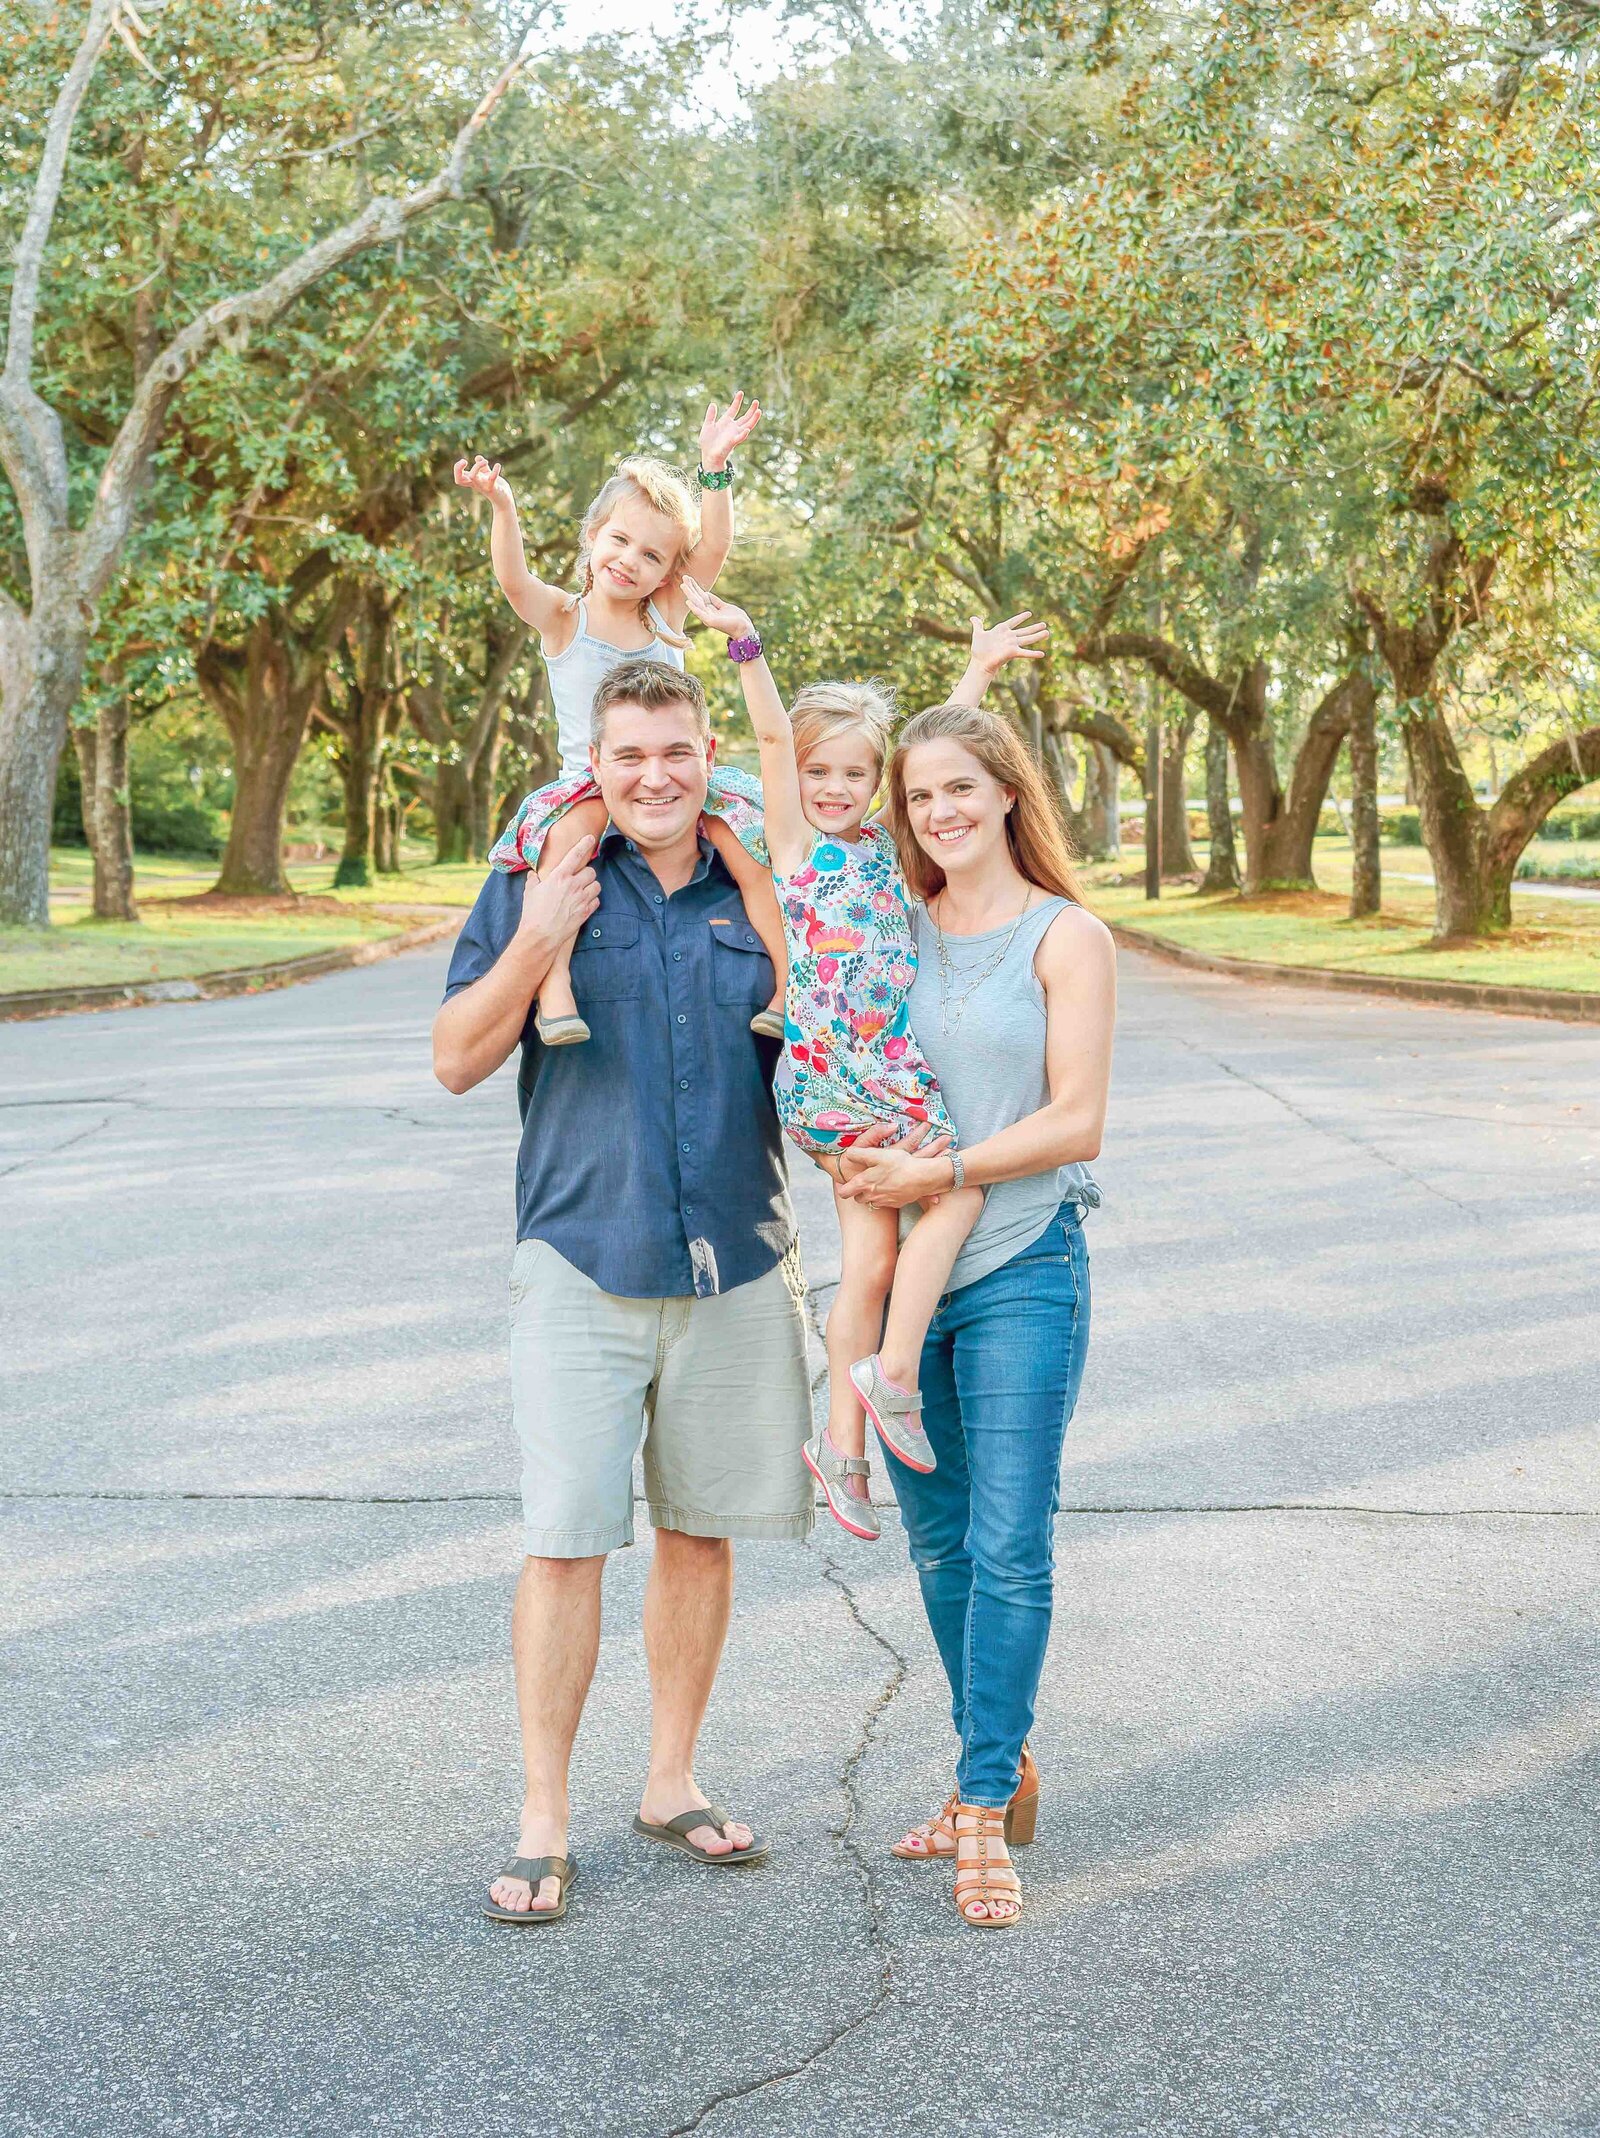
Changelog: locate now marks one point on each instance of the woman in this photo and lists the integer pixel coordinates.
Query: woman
(1013, 1003)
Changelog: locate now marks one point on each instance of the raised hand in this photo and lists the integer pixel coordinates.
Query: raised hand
(721, 434)
(1015, 639)
(715, 613)
(484, 478)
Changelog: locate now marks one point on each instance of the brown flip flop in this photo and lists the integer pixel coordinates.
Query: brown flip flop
(675, 1834)
(535, 1869)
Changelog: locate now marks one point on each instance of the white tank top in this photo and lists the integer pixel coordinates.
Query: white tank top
(576, 675)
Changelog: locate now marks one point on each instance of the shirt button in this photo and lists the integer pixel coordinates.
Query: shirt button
(632, 849)
(677, 957)
(686, 1146)
(656, 895)
(683, 1083)
(681, 1018)
(594, 931)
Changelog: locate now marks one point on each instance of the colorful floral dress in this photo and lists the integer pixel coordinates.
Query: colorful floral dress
(849, 1056)
(731, 795)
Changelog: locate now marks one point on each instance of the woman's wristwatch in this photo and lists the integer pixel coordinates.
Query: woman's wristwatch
(715, 478)
(745, 649)
(958, 1169)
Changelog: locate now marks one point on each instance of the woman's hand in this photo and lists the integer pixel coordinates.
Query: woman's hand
(1013, 639)
(485, 479)
(715, 613)
(720, 434)
(889, 1179)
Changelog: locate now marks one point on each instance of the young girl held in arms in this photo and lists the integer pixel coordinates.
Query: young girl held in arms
(638, 538)
(850, 1061)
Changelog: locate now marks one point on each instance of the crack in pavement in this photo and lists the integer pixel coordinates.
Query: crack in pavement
(40, 1157)
(93, 1098)
(845, 1834)
(1324, 1128)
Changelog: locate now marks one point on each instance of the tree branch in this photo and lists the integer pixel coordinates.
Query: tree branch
(1187, 678)
(930, 627)
(382, 220)
(1530, 794)
(47, 192)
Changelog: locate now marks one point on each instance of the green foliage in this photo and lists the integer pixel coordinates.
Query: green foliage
(179, 783)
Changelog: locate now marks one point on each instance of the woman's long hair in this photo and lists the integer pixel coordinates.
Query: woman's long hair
(1034, 829)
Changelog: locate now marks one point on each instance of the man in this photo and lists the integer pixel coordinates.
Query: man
(655, 1289)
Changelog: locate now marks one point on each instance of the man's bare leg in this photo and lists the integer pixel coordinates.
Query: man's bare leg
(555, 1640)
(687, 1602)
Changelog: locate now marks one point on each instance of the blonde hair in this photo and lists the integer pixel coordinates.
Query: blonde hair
(1035, 832)
(664, 490)
(823, 711)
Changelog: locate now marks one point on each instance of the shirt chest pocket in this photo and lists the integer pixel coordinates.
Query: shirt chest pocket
(605, 959)
(742, 971)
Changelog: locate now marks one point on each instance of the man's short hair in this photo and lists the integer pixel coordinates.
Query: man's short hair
(652, 684)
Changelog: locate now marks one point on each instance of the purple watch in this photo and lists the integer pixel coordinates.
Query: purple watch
(745, 649)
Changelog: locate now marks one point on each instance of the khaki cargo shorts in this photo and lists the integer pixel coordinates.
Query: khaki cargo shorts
(716, 1390)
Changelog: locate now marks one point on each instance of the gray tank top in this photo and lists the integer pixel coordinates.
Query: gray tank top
(576, 675)
(992, 1069)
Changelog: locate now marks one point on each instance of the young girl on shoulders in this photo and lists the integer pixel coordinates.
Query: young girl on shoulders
(638, 538)
(850, 1060)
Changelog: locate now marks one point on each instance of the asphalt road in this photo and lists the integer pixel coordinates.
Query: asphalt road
(1318, 1729)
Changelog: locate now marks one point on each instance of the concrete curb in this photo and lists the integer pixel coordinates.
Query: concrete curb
(1569, 1008)
(210, 986)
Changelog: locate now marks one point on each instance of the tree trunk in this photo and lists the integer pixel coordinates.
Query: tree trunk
(1279, 829)
(38, 689)
(1453, 829)
(107, 808)
(480, 795)
(362, 721)
(1109, 786)
(1526, 799)
(266, 691)
(386, 830)
(1097, 803)
(1366, 868)
(1152, 801)
(357, 760)
(450, 802)
(1177, 850)
(1222, 869)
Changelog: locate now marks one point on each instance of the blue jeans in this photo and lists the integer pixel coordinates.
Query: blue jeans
(1000, 1374)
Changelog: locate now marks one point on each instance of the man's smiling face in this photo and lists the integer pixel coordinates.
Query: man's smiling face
(652, 766)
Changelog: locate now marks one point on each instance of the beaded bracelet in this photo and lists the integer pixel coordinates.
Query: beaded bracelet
(715, 479)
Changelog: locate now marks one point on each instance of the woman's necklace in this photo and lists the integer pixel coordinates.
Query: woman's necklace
(951, 1005)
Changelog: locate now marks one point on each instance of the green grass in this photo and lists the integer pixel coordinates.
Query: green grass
(1554, 944)
(169, 876)
(178, 939)
(171, 945)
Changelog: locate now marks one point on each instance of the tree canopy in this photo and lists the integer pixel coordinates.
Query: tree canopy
(1254, 347)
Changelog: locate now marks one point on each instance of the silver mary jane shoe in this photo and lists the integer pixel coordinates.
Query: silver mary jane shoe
(832, 1472)
(896, 1414)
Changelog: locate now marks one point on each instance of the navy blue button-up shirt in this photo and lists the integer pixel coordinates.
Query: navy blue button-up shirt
(651, 1157)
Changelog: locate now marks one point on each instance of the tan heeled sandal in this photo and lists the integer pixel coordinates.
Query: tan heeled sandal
(936, 1837)
(984, 1877)
(1022, 1813)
